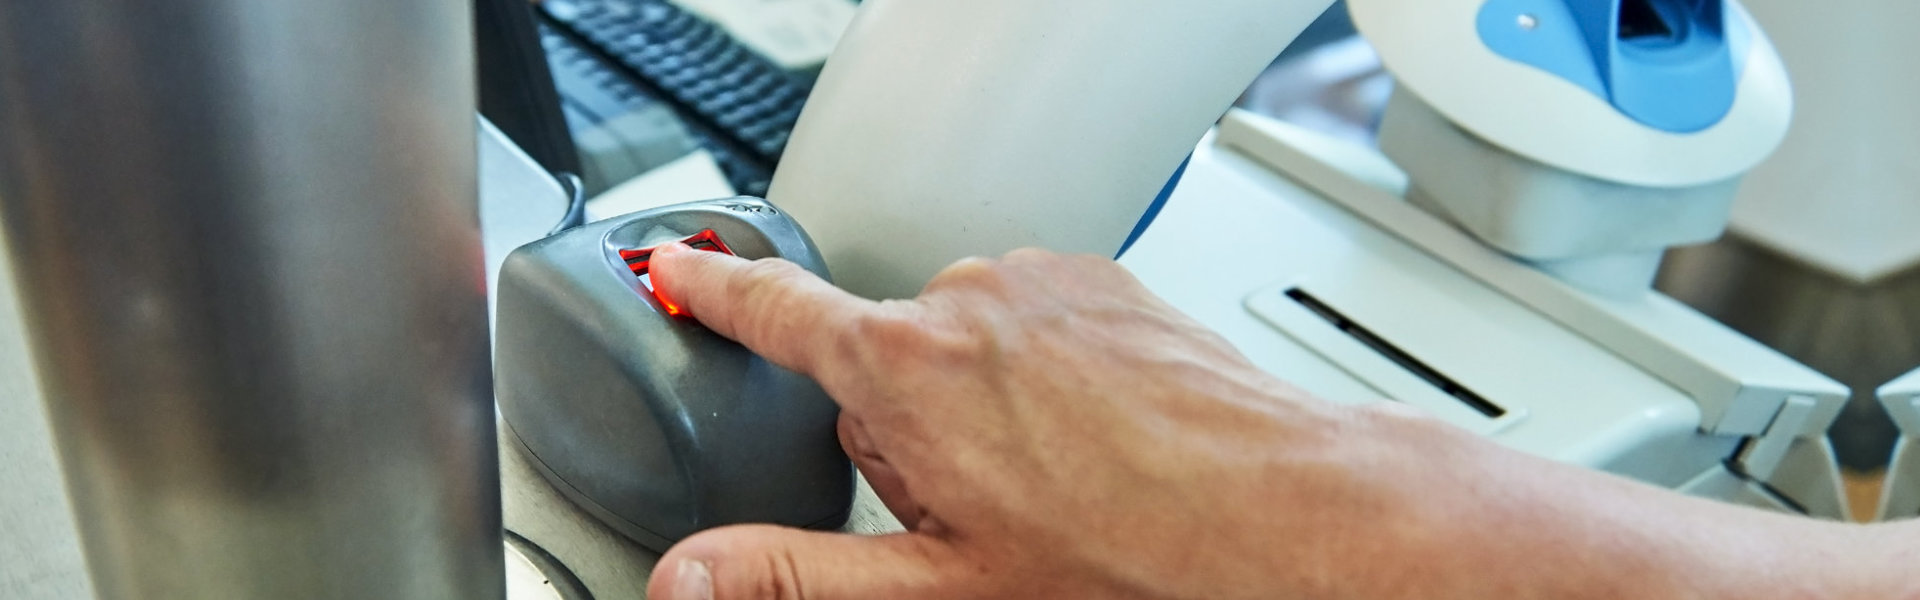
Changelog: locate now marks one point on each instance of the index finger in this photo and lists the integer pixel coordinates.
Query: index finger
(773, 307)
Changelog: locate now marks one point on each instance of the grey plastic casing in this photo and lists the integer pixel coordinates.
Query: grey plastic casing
(652, 423)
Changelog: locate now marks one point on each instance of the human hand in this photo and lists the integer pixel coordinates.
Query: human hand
(1046, 428)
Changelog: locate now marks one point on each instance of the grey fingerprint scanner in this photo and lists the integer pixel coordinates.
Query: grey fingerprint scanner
(648, 421)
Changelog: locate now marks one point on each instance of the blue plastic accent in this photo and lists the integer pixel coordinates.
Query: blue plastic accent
(1676, 71)
(1153, 210)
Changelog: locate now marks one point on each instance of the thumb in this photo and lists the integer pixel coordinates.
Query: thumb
(763, 562)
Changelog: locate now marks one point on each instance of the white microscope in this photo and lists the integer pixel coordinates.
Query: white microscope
(1492, 268)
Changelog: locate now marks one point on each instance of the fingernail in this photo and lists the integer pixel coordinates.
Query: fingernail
(693, 581)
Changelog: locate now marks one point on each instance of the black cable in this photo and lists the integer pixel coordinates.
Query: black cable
(576, 202)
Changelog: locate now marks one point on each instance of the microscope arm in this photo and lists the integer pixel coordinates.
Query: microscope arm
(942, 129)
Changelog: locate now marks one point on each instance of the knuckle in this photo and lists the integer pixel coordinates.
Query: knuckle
(782, 580)
(895, 335)
(760, 285)
(1098, 264)
(766, 281)
(770, 271)
(890, 329)
(952, 347)
(1037, 263)
(1031, 255)
(966, 272)
(972, 266)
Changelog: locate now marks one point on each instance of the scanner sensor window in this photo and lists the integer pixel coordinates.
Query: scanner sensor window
(640, 261)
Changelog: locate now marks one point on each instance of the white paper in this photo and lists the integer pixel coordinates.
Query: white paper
(796, 34)
(693, 177)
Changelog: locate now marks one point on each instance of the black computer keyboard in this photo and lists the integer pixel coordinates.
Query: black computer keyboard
(613, 57)
(621, 130)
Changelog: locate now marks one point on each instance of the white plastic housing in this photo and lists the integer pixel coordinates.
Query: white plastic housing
(942, 129)
(1900, 496)
(1599, 235)
(1433, 48)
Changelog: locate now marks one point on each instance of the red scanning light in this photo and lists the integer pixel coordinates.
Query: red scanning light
(639, 262)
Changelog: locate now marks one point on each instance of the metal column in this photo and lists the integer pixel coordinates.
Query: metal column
(248, 254)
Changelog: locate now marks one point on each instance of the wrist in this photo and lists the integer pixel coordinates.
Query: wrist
(1514, 525)
(1868, 560)
(1666, 545)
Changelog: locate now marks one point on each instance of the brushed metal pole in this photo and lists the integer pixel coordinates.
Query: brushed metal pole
(248, 254)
